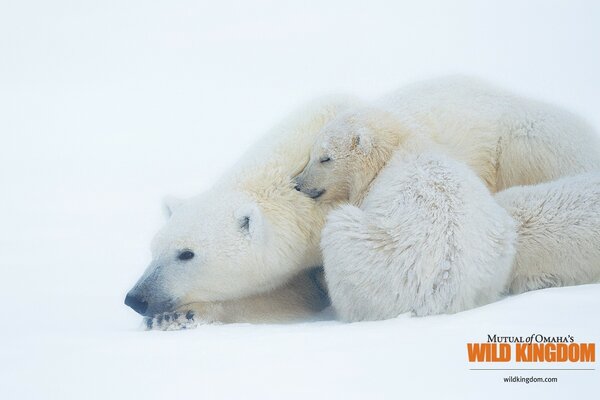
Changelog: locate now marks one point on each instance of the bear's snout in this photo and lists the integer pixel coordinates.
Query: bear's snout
(135, 301)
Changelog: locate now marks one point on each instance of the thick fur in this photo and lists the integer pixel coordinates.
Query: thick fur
(559, 232)
(251, 234)
(429, 239)
(506, 139)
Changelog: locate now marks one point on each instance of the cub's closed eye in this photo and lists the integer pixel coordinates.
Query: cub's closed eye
(325, 159)
(186, 255)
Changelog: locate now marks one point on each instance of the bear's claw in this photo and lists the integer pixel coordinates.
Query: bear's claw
(171, 321)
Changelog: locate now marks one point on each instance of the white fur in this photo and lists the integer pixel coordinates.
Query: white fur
(428, 239)
(507, 139)
(559, 232)
(251, 234)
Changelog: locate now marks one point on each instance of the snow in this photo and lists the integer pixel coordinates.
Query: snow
(102, 354)
(106, 107)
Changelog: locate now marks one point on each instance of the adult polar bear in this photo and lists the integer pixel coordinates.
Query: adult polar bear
(507, 140)
(244, 250)
(241, 251)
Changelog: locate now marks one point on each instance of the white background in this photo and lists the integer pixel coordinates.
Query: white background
(107, 106)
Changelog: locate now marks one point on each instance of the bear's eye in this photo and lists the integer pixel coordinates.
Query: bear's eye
(324, 159)
(186, 255)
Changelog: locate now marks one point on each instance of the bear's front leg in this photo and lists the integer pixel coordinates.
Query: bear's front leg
(302, 297)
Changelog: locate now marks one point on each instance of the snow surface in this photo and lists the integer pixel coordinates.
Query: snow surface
(106, 107)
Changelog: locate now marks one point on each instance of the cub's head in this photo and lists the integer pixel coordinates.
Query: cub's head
(215, 247)
(348, 153)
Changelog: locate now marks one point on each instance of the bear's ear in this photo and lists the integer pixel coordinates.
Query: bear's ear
(170, 203)
(250, 221)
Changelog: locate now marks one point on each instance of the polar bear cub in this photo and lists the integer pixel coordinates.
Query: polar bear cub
(559, 232)
(428, 239)
(505, 139)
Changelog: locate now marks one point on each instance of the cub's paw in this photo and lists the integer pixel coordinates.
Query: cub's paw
(172, 321)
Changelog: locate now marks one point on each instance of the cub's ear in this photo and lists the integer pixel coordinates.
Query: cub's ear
(250, 220)
(362, 141)
(170, 204)
(377, 128)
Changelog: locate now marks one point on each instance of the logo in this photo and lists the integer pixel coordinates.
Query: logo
(534, 348)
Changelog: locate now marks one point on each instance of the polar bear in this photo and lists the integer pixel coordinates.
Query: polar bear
(507, 140)
(243, 251)
(558, 226)
(428, 239)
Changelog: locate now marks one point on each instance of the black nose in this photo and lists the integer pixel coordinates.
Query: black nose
(297, 183)
(138, 305)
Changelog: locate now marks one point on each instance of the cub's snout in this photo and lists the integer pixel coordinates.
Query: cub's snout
(313, 193)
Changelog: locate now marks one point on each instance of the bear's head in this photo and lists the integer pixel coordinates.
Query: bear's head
(250, 233)
(347, 155)
(227, 244)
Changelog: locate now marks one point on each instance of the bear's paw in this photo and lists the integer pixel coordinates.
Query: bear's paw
(173, 321)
